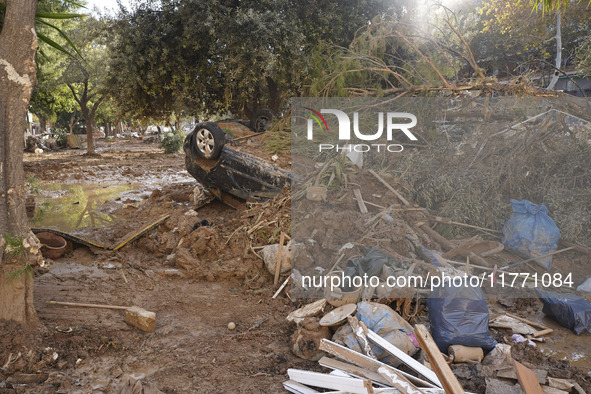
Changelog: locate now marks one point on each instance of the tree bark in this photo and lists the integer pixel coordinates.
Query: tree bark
(558, 63)
(83, 99)
(43, 125)
(88, 121)
(18, 44)
(274, 97)
(73, 120)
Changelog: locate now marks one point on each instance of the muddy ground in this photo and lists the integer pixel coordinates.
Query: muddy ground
(197, 278)
(192, 348)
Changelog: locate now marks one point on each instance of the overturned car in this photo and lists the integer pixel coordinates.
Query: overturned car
(223, 169)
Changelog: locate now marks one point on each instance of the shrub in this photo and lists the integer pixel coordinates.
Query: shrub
(173, 141)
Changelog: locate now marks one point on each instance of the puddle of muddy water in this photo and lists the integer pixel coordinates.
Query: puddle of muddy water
(68, 207)
(563, 344)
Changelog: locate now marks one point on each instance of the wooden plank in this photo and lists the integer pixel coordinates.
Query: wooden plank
(440, 219)
(138, 234)
(360, 201)
(446, 377)
(530, 322)
(353, 370)
(509, 373)
(543, 332)
(578, 248)
(298, 388)
(448, 246)
(527, 379)
(389, 187)
(458, 249)
(403, 357)
(363, 361)
(317, 379)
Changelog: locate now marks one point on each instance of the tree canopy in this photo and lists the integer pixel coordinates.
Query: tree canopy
(222, 55)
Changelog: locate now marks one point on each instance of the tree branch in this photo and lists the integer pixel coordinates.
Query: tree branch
(74, 93)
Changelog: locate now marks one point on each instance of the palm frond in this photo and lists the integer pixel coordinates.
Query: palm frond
(51, 43)
(58, 15)
(61, 33)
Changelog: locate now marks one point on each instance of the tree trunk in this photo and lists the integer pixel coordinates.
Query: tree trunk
(18, 44)
(72, 122)
(558, 63)
(89, 138)
(43, 125)
(274, 97)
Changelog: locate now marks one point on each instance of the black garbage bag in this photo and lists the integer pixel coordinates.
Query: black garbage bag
(459, 316)
(371, 264)
(569, 310)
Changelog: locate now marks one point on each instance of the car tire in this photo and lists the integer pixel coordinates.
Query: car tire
(208, 139)
(261, 120)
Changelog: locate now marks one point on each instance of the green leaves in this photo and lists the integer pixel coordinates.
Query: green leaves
(58, 15)
(39, 19)
(52, 43)
(549, 5)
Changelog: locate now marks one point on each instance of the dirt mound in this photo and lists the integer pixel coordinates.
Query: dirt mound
(25, 353)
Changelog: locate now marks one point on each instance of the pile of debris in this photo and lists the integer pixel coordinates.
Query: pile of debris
(38, 145)
(378, 333)
(373, 349)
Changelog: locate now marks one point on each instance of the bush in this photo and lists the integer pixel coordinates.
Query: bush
(172, 142)
(60, 137)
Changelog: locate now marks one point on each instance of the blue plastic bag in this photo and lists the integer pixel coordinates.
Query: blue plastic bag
(385, 322)
(531, 231)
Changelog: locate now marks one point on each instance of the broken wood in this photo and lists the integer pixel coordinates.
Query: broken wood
(527, 379)
(136, 234)
(134, 315)
(443, 220)
(543, 332)
(450, 254)
(446, 377)
(578, 248)
(375, 205)
(353, 370)
(404, 358)
(317, 379)
(389, 187)
(363, 361)
(527, 321)
(360, 201)
(281, 287)
(279, 259)
(509, 373)
(448, 246)
(537, 257)
(298, 388)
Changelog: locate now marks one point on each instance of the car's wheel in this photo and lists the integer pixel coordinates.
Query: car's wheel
(262, 120)
(209, 140)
